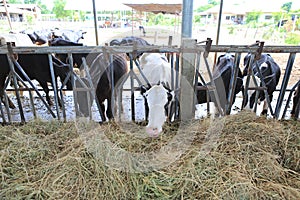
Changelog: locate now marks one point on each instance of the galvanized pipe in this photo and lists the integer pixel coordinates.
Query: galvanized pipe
(187, 19)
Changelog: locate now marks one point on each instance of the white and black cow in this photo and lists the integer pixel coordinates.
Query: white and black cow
(157, 92)
(270, 71)
(69, 35)
(42, 36)
(222, 76)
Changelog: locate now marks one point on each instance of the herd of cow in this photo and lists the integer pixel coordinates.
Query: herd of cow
(158, 94)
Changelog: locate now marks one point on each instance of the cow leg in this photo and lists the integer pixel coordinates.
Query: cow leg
(265, 106)
(10, 103)
(46, 90)
(102, 107)
(109, 113)
(297, 110)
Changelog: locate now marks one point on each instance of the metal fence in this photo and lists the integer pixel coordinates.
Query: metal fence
(190, 49)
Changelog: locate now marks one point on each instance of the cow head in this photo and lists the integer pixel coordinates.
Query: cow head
(62, 70)
(224, 60)
(265, 69)
(158, 98)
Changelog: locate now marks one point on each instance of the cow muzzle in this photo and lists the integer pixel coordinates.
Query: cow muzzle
(153, 132)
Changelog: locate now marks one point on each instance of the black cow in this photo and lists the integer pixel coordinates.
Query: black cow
(129, 41)
(37, 67)
(270, 73)
(4, 71)
(296, 103)
(77, 58)
(100, 71)
(222, 77)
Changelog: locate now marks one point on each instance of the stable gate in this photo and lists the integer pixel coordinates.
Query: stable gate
(185, 59)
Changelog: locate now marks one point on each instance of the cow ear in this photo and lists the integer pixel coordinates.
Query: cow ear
(218, 61)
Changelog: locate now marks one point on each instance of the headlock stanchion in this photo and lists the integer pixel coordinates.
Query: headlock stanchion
(13, 63)
(175, 53)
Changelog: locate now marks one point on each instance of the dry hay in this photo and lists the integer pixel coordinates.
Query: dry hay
(252, 158)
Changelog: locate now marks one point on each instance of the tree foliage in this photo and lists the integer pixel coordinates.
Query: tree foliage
(32, 1)
(252, 17)
(287, 6)
(211, 3)
(14, 1)
(58, 9)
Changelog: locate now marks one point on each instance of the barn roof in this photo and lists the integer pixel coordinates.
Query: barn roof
(157, 8)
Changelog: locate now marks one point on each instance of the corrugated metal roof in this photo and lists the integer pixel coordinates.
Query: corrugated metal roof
(157, 8)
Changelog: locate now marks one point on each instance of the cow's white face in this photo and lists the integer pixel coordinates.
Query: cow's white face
(157, 98)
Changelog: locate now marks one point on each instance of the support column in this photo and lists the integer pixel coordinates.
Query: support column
(187, 94)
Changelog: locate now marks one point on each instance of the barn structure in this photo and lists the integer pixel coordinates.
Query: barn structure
(18, 12)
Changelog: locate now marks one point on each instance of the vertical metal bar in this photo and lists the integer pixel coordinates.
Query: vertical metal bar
(219, 28)
(289, 99)
(177, 96)
(214, 87)
(54, 85)
(172, 71)
(232, 84)
(285, 81)
(120, 100)
(16, 88)
(6, 98)
(187, 18)
(249, 75)
(32, 103)
(95, 22)
(264, 85)
(132, 90)
(111, 68)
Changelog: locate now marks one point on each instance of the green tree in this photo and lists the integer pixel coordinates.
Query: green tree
(287, 6)
(58, 9)
(252, 17)
(276, 16)
(44, 9)
(213, 2)
(14, 1)
(32, 1)
(204, 8)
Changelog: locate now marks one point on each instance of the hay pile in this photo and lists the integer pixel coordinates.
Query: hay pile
(251, 158)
